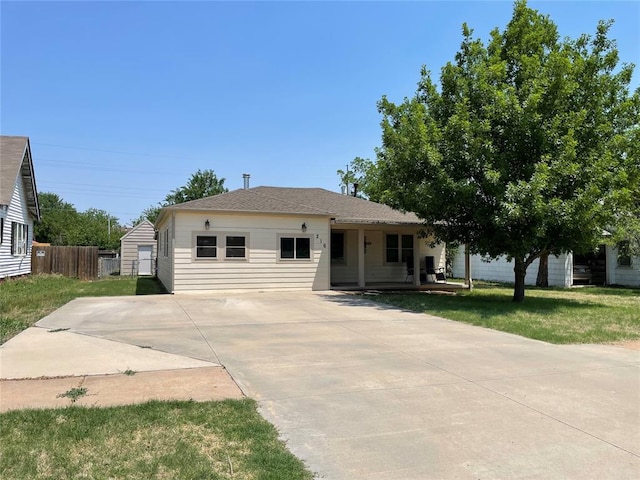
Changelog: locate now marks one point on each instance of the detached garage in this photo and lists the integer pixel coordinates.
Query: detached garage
(138, 250)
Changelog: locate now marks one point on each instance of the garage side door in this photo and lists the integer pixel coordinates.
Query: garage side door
(144, 259)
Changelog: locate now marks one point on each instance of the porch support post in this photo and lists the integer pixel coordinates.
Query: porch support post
(467, 268)
(416, 260)
(361, 248)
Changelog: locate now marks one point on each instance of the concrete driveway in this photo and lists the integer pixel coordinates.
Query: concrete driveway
(360, 391)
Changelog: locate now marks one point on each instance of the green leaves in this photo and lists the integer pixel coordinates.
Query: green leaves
(529, 144)
(201, 184)
(62, 224)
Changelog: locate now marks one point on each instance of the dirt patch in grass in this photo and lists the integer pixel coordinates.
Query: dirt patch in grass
(630, 344)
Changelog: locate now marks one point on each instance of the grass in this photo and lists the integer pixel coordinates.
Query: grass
(581, 315)
(26, 300)
(155, 440)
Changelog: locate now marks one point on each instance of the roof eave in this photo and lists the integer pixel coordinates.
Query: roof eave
(368, 221)
(245, 212)
(35, 207)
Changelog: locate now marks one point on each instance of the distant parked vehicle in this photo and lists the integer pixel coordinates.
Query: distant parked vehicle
(582, 274)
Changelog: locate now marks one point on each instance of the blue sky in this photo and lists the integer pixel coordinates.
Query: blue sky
(123, 101)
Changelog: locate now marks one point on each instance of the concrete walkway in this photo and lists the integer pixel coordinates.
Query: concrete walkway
(360, 391)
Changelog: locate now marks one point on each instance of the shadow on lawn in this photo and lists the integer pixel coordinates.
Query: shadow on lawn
(485, 305)
(149, 286)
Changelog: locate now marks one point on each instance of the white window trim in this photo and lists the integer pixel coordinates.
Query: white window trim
(20, 239)
(279, 259)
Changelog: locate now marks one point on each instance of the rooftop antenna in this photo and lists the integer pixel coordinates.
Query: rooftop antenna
(346, 180)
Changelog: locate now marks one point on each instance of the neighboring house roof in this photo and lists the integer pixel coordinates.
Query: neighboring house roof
(16, 163)
(138, 226)
(299, 201)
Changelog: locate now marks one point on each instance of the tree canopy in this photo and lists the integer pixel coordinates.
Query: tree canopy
(62, 224)
(525, 148)
(201, 184)
(357, 173)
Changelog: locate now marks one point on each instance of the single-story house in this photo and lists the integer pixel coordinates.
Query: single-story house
(289, 238)
(604, 267)
(19, 206)
(138, 250)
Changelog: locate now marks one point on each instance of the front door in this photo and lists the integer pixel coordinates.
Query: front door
(144, 259)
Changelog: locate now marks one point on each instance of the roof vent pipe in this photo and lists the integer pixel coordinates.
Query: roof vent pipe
(245, 177)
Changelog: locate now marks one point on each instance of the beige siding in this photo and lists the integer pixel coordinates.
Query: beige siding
(262, 269)
(141, 234)
(165, 262)
(376, 269)
(11, 265)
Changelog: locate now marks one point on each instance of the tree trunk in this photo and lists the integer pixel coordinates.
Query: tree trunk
(520, 270)
(542, 279)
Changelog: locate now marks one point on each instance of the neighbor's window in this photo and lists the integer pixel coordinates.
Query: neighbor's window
(206, 246)
(295, 248)
(624, 260)
(337, 247)
(399, 248)
(19, 233)
(236, 247)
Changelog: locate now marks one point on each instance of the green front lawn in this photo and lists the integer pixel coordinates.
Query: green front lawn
(161, 440)
(579, 315)
(156, 440)
(26, 300)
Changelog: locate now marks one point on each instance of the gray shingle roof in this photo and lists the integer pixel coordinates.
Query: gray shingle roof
(301, 201)
(15, 161)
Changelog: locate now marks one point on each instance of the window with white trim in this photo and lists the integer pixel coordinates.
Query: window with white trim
(19, 234)
(206, 246)
(295, 248)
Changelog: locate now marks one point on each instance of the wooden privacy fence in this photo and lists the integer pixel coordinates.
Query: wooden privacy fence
(78, 262)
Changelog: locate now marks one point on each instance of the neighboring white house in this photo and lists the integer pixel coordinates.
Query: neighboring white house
(288, 238)
(138, 250)
(604, 267)
(18, 206)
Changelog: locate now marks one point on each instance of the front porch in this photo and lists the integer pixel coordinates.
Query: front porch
(385, 257)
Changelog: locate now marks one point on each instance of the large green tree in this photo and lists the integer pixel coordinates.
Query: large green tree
(62, 224)
(523, 150)
(57, 219)
(201, 184)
